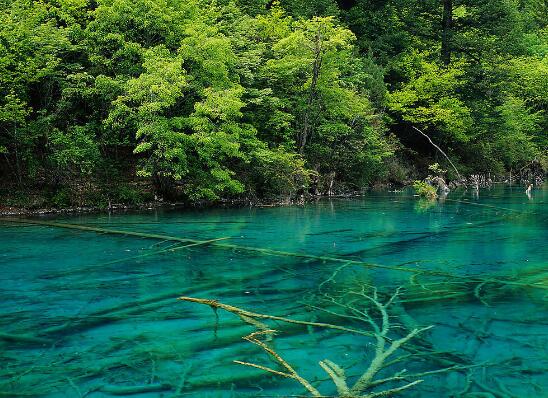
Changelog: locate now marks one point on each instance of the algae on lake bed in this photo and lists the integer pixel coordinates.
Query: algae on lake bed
(89, 313)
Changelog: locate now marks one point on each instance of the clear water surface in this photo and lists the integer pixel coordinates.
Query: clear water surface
(95, 313)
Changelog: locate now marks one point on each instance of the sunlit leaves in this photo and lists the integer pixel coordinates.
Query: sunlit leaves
(430, 97)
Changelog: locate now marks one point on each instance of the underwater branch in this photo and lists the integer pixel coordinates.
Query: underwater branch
(384, 346)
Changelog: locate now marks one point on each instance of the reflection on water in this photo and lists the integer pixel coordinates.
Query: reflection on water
(95, 313)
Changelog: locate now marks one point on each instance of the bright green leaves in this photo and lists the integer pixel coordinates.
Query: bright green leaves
(31, 51)
(317, 97)
(528, 77)
(496, 50)
(31, 45)
(211, 99)
(430, 99)
(518, 124)
(278, 172)
(213, 120)
(184, 111)
(220, 105)
(160, 86)
(13, 120)
(75, 151)
(145, 109)
(13, 110)
(308, 40)
(209, 56)
(147, 22)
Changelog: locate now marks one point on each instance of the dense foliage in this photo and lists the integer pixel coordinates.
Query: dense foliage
(205, 99)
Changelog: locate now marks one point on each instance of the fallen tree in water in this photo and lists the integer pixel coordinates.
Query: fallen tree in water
(347, 303)
(366, 307)
(218, 243)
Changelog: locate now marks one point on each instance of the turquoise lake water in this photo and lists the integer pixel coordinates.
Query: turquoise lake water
(94, 313)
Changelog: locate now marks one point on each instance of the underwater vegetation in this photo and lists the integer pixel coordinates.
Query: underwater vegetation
(366, 297)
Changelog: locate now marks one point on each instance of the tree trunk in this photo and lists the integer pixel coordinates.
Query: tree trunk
(316, 66)
(447, 33)
(18, 171)
(331, 183)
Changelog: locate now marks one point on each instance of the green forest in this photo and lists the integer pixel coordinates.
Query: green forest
(125, 101)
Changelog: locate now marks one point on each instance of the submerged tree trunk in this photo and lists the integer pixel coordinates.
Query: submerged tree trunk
(447, 33)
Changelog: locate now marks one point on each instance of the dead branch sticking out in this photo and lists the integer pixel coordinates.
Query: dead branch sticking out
(439, 149)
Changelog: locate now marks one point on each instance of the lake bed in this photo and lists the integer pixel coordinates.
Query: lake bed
(93, 311)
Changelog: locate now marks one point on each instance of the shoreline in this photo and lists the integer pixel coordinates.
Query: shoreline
(14, 211)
